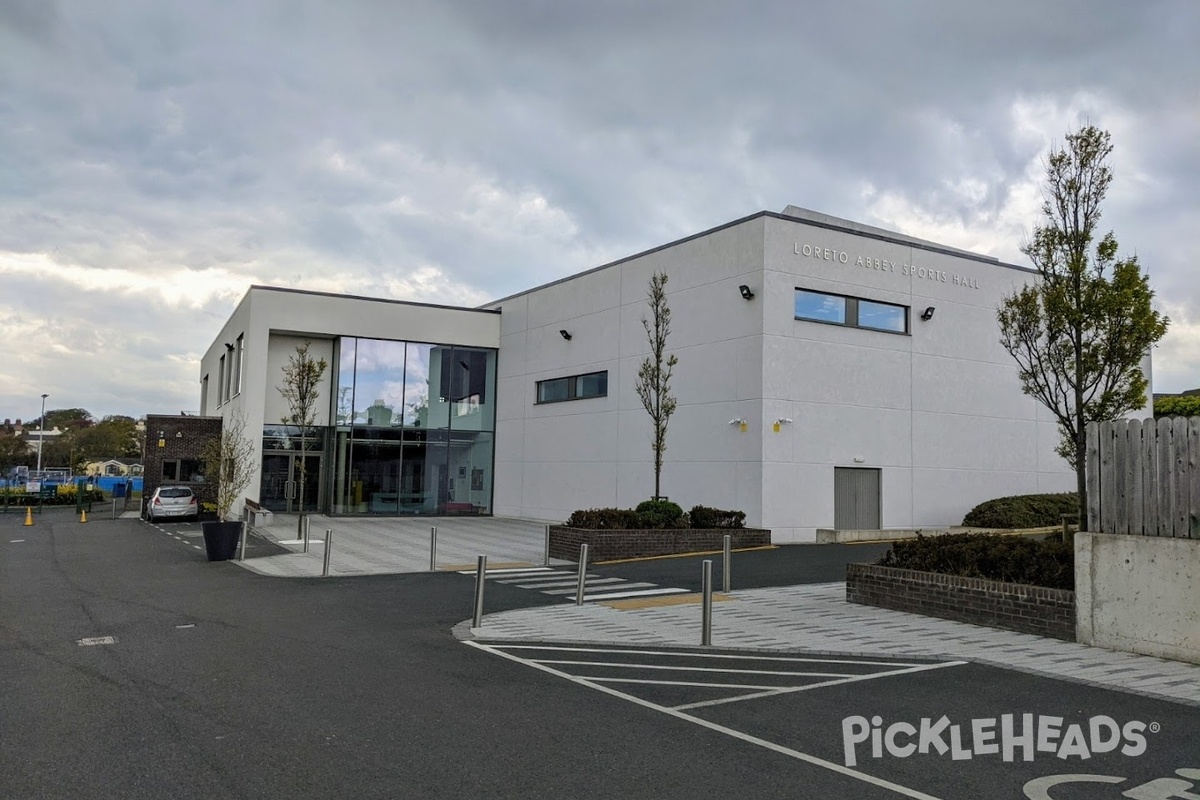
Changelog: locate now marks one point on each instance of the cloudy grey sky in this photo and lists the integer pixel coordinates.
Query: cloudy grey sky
(158, 157)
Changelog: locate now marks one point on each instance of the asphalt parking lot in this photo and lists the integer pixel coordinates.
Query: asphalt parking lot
(923, 729)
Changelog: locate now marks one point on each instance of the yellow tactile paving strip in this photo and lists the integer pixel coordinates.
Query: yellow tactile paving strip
(635, 603)
(491, 566)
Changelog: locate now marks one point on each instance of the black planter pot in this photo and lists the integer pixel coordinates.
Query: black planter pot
(221, 539)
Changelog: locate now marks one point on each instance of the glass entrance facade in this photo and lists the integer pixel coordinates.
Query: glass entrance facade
(414, 428)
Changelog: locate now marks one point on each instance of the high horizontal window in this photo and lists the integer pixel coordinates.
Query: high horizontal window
(574, 387)
(853, 312)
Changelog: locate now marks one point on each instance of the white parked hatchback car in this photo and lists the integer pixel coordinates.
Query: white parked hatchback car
(172, 502)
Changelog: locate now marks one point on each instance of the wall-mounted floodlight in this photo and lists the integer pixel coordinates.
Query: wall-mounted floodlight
(783, 421)
(746, 293)
(566, 334)
(927, 314)
(741, 423)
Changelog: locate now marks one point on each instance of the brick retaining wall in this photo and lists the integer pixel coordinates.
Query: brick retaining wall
(1011, 606)
(608, 545)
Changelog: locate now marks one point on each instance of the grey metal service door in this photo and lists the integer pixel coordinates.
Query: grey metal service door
(856, 499)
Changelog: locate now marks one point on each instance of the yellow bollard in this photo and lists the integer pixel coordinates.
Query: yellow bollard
(83, 515)
(28, 515)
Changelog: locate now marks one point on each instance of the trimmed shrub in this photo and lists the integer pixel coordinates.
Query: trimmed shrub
(1187, 406)
(705, 517)
(1023, 511)
(1013, 559)
(661, 514)
(605, 519)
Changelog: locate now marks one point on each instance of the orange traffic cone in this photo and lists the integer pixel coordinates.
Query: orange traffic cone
(83, 515)
(28, 515)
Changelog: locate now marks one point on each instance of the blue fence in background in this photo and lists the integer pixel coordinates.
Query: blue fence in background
(105, 483)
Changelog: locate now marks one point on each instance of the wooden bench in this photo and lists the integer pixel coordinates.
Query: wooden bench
(255, 514)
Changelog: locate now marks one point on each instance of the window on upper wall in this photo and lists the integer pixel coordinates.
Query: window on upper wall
(221, 398)
(239, 354)
(852, 312)
(574, 387)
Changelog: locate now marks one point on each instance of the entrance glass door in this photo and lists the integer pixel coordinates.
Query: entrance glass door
(281, 488)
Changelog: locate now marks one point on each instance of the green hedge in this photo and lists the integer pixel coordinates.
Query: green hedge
(1188, 406)
(654, 515)
(1023, 511)
(1014, 559)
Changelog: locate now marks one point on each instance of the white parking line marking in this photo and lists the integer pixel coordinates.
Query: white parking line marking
(15, 541)
(198, 547)
(745, 737)
(734, 656)
(794, 689)
(95, 640)
(506, 570)
(696, 669)
(623, 585)
(676, 683)
(639, 593)
(555, 584)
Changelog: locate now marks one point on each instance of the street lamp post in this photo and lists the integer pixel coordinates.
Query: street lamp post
(41, 435)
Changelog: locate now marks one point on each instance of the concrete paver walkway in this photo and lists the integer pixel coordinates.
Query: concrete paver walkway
(383, 545)
(817, 619)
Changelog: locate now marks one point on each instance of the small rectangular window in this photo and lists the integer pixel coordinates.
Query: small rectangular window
(170, 470)
(554, 391)
(592, 385)
(852, 312)
(575, 387)
(239, 355)
(882, 316)
(821, 307)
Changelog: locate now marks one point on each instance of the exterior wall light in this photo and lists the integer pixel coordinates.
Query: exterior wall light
(565, 334)
(741, 423)
(781, 421)
(927, 314)
(746, 293)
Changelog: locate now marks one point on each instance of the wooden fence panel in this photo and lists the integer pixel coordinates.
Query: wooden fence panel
(1180, 488)
(1108, 478)
(1120, 459)
(1165, 460)
(1149, 479)
(1194, 481)
(1143, 477)
(1092, 476)
(1133, 476)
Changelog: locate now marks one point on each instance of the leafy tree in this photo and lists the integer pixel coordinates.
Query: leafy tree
(68, 418)
(112, 437)
(1183, 406)
(1079, 333)
(14, 452)
(653, 384)
(301, 389)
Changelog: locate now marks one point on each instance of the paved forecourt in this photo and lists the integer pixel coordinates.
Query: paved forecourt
(817, 619)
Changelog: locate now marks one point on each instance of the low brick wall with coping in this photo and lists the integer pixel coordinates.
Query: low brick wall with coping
(995, 604)
(610, 545)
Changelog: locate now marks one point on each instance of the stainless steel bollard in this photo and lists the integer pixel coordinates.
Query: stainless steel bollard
(546, 562)
(306, 525)
(706, 604)
(245, 536)
(328, 547)
(114, 508)
(583, 556)
(480, 580)
(725, 562)
(433, 548)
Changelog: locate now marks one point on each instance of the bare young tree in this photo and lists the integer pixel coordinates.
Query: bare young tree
(1079, 333)
(229, 462)
(653, 384)
(301, 389)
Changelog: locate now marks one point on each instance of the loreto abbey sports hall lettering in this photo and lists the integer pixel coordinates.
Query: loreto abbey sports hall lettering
(884, 265)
